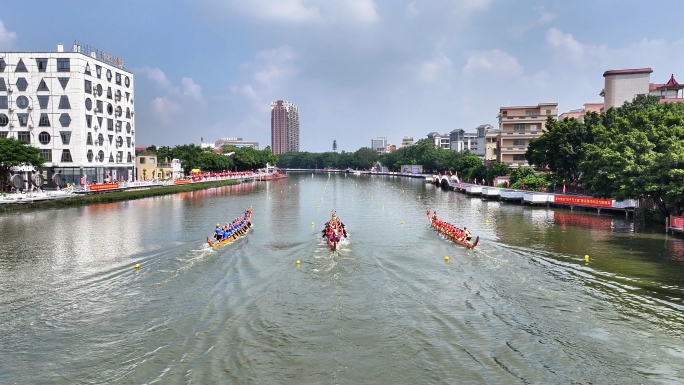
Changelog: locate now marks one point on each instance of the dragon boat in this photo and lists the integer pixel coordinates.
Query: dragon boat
(447, 230)
(334, 231)
(242, 230)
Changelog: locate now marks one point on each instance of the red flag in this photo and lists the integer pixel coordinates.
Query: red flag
(457, 174)
(475, 180)
(523, 185)
(450, 172)
(508, 184)
(439, 175)
(543, 188)
(563, 188)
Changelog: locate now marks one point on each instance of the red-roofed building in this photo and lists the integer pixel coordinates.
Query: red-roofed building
(668, 91)
(624, 85)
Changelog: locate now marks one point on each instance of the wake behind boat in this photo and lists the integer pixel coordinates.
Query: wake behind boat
(334, 231)
(231, 231)
(462, 237)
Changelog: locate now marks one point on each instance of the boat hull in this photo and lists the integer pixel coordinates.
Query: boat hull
(246, 227)
(456, 240)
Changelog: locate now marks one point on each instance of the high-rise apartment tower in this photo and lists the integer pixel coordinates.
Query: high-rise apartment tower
(284, 127)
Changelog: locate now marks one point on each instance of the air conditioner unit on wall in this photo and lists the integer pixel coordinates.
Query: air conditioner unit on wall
(9, 89)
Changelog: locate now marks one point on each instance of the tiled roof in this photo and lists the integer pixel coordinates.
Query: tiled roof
(628, 71)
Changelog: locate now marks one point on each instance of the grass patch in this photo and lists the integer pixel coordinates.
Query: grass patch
(113, 196)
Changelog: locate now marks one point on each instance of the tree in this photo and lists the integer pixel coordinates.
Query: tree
(561, 147)
(639, 152)
(521, 173)
(495, 169)
(15, 153)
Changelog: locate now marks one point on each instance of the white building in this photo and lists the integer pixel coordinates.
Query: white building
(237, 142)
(624, 85)
(482, 131)
(440, 140)
(379, 144)
(76, 106)
(459, 140)
(407, 141)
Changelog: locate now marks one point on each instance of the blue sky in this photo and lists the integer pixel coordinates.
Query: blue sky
(357, 69)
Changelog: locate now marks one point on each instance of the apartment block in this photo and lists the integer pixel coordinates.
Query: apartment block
(518, 126)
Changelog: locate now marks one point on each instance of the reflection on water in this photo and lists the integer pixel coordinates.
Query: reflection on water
(523, 307)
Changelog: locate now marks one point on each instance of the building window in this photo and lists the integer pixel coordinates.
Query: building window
(3, 86)
(117, 77)
(118, 125)
(142, 160)
(128, 113)
(117, 95)
(98, 71)
(99, 121)
(100, 156)
(518, 142)
(42, 86)
(63, 82)
(88, 104)
(21, 67)
(22, 84)
(110, 109)
(129, 158)
(109, 75)
(99, 106)
(100, 139)
(128, 141)
(66, 156)
(22, 102)
(152, 160)
(44, 138)
(2, 65)
(23, 119)
(3, 102)
(63, 65)
(519, 127)
(46, 155)
(519, 157)
(65, 120)
(44, 120)
(4, 120)
(109, 92)
(119, 157)
(43, 101)
(119, 111)
(41, 64)
(89, 121)
(128, 94)
(111, 158)
(98, 89)
(64, 103)
(24, 136)
(110, 125)
(89, 139)
(90, 155)
(119, 141)
(128, 127)
(87, 69)
(3, 134)
(127, 81)
(111, 138)
(88, 85)
(66, 136)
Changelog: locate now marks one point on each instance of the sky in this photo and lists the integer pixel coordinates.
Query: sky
(357, 69)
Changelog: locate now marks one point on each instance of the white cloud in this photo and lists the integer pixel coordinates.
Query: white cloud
(158, 77)
(247, 91)
(274, 66)
(493, 61)
(430, 70)
(411, 11)
(305, 11)
(165, 109)
(544, 18)
(7, 38)
(566, 43)
(191, 89)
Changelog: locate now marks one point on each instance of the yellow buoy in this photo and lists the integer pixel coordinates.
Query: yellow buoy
(383, 206)
(312, 223)
(402, 222)
(319, 207)
(269, 197)
(446, 259)
(487, 221)
(586, 258)
(298, 262)
(418, 196)
(137, 266)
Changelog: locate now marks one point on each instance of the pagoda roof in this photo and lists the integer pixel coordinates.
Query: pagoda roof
(671, 84)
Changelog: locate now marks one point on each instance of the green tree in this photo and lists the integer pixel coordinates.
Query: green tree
(520, 173)
(639, 152)
(17, 153)
(561, 147)
(495, 169)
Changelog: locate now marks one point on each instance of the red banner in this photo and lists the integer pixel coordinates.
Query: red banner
(104, 186)
(585, 201)
(181, 181)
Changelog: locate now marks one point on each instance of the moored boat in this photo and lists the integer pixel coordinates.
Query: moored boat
(231, 231)
(452, 232)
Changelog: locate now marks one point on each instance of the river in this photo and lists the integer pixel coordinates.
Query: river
(523, 307)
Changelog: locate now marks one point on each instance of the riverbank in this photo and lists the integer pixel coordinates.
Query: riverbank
(115, 196)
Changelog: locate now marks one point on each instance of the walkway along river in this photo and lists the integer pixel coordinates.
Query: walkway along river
(523, 307)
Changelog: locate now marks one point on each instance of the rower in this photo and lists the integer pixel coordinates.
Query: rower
(217, 232)
(468, 236)
(434, 216)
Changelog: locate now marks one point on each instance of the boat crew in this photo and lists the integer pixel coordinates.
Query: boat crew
(468, 235)
(434, 216)
(217, 232)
